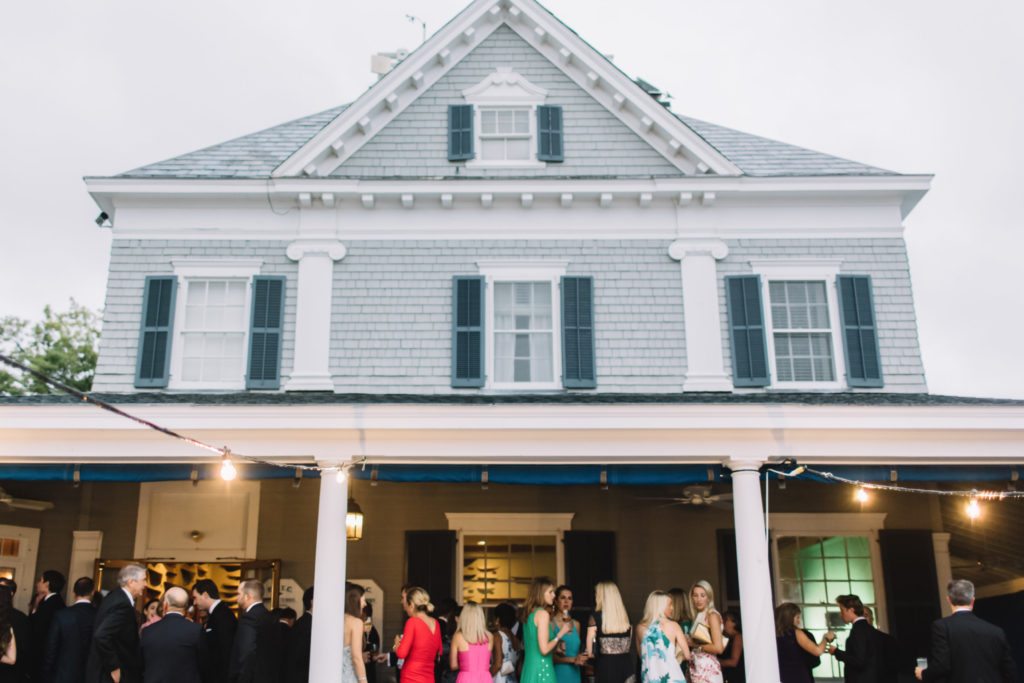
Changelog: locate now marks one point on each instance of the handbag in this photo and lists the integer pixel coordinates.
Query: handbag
(701, 634)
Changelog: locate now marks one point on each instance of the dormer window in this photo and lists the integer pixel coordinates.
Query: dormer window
(506, 123)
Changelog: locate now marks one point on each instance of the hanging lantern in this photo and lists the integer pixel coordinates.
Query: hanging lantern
(353, 521)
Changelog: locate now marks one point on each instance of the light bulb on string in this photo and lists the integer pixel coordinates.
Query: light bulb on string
(341, 475)
(861, 496)
(227, 468)
(973, 509)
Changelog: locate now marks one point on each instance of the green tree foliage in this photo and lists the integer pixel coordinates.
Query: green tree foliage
(61, 345)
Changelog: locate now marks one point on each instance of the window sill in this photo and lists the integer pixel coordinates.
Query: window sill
(481, 163)
(806, 386)
(206, 386)
(521, 387)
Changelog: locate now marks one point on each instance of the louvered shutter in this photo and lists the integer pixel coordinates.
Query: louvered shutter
(460, 132)
(430, 562)
(468, 331)
(860, 332)
(747, 332)
(578, 364)
(154, 353)
(549, 134)
(589, 559)
(265, 332)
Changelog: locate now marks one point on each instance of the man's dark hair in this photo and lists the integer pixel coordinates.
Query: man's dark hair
(506, 615)
(307, 599)
(285, 613)
(206, 586)
(9, 583)
(84, 587)
(961, 592)
(851, 602)
(55, 580)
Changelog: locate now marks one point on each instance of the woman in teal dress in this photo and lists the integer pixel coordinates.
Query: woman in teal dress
(537, 641)
(567, 657)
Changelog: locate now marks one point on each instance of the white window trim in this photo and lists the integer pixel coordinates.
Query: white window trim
(510, 524)
(865, 524)
(524, 271)
(505, 89)
(208, 269)
(820, 270)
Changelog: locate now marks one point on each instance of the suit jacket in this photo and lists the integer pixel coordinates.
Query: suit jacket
(256, 655)
(862, 660)
(115, 641)
(298, 649)
(967, 649)
(67, 645)
(39, 622)
(19, 671)
(221, 626)
(173, 651)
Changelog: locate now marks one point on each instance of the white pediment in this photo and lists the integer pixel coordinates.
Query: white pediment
(505, 86)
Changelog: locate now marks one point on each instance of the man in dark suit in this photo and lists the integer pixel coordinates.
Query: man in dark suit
(299, 642)
(19, 671)
(861, 659)
(173, 649)
(67, 644)
(256, 655)
(220, 629)
(966, 649)
(48, 601)
(114, 654)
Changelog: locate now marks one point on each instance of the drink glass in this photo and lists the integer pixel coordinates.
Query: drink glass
(922, 662)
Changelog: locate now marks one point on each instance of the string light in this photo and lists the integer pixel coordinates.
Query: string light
(973, 509)
(862, 496)
(341, 475)
(227, 468)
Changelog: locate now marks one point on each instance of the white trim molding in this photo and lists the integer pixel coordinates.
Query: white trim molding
(311, 368)
(705, 362)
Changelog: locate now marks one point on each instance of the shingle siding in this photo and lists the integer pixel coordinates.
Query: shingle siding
(885, 260)
(415, 143)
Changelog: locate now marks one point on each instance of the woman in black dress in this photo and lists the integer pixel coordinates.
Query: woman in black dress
(8, 647)
(732, 659)
(609, 637)
(794, 645)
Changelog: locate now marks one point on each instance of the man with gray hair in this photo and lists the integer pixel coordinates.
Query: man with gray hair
(966, 649)
(173, 649)
(114, 653)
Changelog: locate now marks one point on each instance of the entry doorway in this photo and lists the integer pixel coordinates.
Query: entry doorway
(19, 547)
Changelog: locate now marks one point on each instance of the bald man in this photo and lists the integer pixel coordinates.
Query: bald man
(173, 649)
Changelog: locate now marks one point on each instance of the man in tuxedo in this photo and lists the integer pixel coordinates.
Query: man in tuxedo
(862, 661)
(173, 649)
(67, 644)
(299, 642)
(114, 654)
(256, 655)
(221, 625)
(966, 649)
(19, 671)
(48, 601)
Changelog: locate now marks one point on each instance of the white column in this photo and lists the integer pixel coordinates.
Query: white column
(943, 568)
(86, 547)
(705, 365)
(762, 663)
(311, 366)
(326, 652)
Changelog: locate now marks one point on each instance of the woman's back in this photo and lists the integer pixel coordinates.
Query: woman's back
(537, 667)
(658, 656)
(792, 660)
(614, 663)
(475, 663)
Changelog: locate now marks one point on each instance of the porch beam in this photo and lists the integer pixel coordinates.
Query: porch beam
(762, 662)
(326, 654)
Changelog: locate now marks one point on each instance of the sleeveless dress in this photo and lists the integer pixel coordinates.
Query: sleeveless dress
(537, 668)
(658, 657)
(792, 660)
(568, 673)
(475, 664)
(613, 663)
(420, 649)
(348, 671)
(734, 674)
(509, 658)
(704, 667)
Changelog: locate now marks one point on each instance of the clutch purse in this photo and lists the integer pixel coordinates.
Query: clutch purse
(700, 634)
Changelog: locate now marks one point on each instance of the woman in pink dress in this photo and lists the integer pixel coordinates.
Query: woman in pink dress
(472, 646)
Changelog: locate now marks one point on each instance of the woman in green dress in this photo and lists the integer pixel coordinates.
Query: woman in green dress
(567, 657)
(537, 641)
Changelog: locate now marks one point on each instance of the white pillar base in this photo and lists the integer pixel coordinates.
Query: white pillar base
(326, 651)
(309, 382)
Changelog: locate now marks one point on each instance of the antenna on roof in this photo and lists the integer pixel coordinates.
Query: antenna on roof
(423, 25)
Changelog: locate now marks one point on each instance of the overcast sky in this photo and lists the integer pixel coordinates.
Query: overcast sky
(917, 86)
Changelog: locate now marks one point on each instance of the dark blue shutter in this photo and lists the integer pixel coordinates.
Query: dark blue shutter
(549, 134)
(154, 354)
(468, 331)
(265, 332)
(860, 332)
(746, 331)
(578, 367)
(460, 132)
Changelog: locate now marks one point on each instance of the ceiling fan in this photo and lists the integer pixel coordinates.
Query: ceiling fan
(24, 503)
(698, 496)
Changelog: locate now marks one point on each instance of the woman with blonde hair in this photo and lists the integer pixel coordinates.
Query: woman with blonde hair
(609, 630)
(659, 638)
(705, 636)
(471, 646)
(537, 641)
(420, 644)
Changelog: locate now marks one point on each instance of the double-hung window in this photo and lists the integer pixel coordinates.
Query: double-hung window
(505, 134)
(523, 333)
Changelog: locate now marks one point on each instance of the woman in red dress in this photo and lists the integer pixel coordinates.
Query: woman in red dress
(420, 645)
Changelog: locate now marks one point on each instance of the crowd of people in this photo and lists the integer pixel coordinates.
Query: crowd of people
(194, 637)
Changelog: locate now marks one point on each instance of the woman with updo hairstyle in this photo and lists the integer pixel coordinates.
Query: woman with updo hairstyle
(420, 644)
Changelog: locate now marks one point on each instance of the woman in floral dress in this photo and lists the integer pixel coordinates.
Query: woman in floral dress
(659, 638)
(704, 667)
